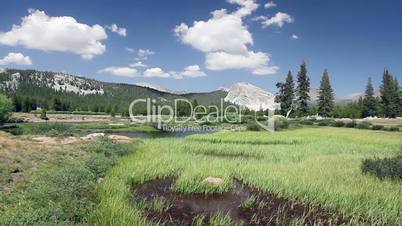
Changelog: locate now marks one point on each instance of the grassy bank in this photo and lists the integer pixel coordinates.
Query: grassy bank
(52, 185)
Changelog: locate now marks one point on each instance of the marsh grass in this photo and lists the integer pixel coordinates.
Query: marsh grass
(322, 168)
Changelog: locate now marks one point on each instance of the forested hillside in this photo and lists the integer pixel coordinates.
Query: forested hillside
(31, 89)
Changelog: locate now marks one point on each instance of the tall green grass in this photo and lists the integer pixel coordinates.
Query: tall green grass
(316, 165)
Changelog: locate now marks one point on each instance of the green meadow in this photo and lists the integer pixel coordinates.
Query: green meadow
(317, 166)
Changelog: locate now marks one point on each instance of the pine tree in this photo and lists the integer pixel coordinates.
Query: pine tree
(389, 95)
(286, 94)
(326, 96)
(303, 89)
(369, 101)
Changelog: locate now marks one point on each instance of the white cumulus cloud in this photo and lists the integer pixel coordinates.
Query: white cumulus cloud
(257, 62)
(269, 5)
(279, 19)
(156, 72)
(118, 30)
(138, 64)
(192, 71)
(295, 36)
(120, 71)
(224, 38)
(142, 54)
(16, 58)
(130, 50)
(65, 34)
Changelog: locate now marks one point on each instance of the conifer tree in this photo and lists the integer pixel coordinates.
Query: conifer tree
(303, 89)
(389, 95)
(326, 96)
(286, 94)
(369, 101)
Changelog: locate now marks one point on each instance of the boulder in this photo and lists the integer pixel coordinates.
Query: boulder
(45, 140)
(92, 136)
(213, 181)
(121, 139)
(69, 140)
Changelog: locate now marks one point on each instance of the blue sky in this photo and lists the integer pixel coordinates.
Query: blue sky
(352, 39)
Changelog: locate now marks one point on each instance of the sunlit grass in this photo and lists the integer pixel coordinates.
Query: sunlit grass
(318, 166)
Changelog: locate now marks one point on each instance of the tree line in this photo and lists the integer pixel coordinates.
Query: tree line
(295, 101)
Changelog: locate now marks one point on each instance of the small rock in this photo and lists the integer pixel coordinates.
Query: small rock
(45, 140)
(69, 140)
(213, 181)
(121, 139)
(100, 179)
(92, 136)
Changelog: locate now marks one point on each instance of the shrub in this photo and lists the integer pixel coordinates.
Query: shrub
(393, 129)
(377, 127)
(307, 122)
(383, 168)
(363, 125)
(351, 124)
(50, 129)
(108, 147)
(339, 124)
(99, 164)
(6, 107)
(281, 123)
(252, 126)
(326, 122)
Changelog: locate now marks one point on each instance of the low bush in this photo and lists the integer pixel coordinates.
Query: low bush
(281, 123)
(393, 129)
(383, 168)
(49, 129)
(108, 147)
(326, 122)
(351, 124)
(339, 124)
(377, 127)
(252, 126)
(363, 125)
(307, 122)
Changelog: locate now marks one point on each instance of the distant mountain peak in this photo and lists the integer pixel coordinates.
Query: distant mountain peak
(248, 95)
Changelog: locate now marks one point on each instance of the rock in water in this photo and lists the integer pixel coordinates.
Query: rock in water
(213, 181)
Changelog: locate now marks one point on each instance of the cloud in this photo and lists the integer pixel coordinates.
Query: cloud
(64, 34)
(192, 71)
(130, 50)
(278, 20)
(16, 58)
(156, 72)
(295, 36)
(257, 62)
(120, 71)
(270, 4)
(223, 32)
(118, 30)
(142, 54)
(224, 37)
(138, 64)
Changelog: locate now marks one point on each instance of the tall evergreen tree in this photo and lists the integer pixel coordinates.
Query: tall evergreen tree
(286, 94)
(326, 96)
(369, 101)
(389, 95)
(303, 89)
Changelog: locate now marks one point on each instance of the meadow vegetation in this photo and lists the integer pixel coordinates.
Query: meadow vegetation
(317, 166)
(53, 185)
